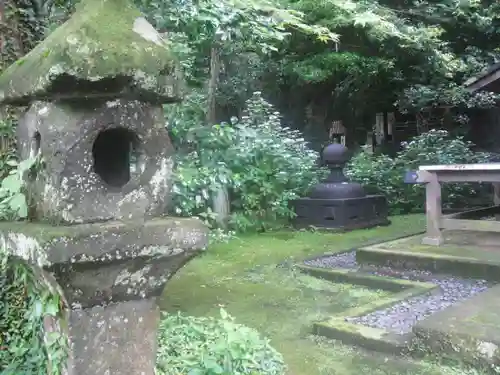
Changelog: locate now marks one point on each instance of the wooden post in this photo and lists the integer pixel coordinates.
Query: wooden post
(433, 211)
(496, 197)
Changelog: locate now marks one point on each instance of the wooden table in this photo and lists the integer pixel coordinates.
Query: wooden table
(433, 175)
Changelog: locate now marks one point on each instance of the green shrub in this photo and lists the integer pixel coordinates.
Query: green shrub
(385, 175)
(23, 304)
(23, 300)
(209, 346)
(7, 146)
(263, 164)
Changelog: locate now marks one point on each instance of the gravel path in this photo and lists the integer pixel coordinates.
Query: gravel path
(400, 317)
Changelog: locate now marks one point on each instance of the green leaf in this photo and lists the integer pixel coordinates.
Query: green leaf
(12, 163)
(12, 183)
(223, 314)
(26, 165)
(18, 204)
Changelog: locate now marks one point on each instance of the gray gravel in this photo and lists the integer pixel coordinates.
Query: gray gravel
(401, 317)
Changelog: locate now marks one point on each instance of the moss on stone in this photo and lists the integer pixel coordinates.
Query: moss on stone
(44, 233)
(343, 327)
(367, 337)
(373, 282)
(41, 232)
(105, 41)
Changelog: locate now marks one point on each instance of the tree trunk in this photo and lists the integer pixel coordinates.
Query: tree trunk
(220, 199)
(213, 83)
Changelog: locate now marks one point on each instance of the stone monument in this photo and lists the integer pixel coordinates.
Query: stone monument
(337, 203)
(94, 90)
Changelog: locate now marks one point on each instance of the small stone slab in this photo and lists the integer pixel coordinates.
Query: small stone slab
(366, 337)
(469, 330)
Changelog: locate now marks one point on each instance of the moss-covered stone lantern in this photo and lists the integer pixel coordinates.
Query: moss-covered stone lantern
(94, 91)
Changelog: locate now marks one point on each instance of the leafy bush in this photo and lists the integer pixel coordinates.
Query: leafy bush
(14, 195)
(384, 175)
(23, 304)
(7, 145)
(261, 163)
(23, 300)
(209, 346)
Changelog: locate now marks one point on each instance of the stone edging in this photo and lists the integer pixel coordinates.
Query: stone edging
(441, 263)
(370, 338)
(365, 244)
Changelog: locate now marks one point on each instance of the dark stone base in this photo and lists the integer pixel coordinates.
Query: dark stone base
(342, 214)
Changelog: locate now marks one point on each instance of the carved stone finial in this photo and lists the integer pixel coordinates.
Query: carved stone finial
(336, 185)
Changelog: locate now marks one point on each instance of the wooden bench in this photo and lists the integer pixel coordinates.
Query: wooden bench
(433, 175)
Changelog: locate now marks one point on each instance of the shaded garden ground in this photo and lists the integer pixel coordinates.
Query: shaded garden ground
(250, 277)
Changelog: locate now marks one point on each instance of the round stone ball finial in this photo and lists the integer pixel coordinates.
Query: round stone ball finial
(336, 185)
(335, 154)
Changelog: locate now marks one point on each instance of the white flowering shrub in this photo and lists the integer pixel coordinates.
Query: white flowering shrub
(262, 164)
(385, 175)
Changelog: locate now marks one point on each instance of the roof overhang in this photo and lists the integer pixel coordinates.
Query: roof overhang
(484, 80)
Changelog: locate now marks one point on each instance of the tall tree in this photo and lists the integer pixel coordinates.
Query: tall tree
(412, 53)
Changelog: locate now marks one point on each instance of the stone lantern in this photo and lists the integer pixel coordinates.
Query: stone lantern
(337, 203)
(94, 91)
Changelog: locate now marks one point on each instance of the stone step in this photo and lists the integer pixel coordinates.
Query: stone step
(468, 331)
(463, 254)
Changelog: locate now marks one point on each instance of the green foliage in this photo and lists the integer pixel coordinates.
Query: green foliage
(14, 196)
(24, 302)
(7, 149)
(322, 66)
(448, 93)
(263, 164)
(384, 175)
(209, 346)
(410, 54)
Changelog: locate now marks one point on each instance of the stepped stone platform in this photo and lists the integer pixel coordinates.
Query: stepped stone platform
(469, 244)
(457, 316)
(464, 253)
(469, 330)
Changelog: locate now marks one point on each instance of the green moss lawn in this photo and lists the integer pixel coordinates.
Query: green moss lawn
(250, 278)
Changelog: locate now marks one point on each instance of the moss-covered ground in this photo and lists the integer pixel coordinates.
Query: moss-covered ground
(250, 278)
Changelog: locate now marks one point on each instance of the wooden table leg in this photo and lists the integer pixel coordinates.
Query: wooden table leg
(433, 235)
(496, 197)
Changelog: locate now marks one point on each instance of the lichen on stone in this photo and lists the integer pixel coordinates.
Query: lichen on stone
(487, 349)
(104, 40)
(24, 247)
